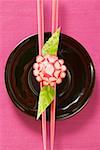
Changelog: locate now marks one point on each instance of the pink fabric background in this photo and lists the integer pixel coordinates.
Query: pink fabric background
(79, 19)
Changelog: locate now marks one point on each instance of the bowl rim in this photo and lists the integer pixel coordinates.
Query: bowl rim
(18, 105)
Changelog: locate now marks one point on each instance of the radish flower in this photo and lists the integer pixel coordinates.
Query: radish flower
(49, 70)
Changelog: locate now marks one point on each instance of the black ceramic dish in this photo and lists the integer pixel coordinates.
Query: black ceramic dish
(72, 93)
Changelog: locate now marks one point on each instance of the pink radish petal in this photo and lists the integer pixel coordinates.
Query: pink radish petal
(45, 83)
(57, 65)
(45, 79)
(35, 72)
(52, 59)
(35, 65)
(39, 58)
(45, 62)
(63, 68)
(49, 69)
(38, 78)
(62, 74)
(47, 75)
(56, 73)
(59, 80)
(40, 66)
(52, 83)
(52, 79)
(41, 75)
(61, 61)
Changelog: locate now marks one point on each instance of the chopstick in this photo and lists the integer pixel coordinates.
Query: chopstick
(53, 105)
(40, 13)
(54, 15)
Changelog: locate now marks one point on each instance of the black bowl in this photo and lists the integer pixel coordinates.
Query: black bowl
(72, 93)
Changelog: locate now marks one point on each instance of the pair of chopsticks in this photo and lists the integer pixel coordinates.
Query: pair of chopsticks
(40, 12)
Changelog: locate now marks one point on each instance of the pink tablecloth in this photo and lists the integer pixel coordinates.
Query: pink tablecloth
(79, 19)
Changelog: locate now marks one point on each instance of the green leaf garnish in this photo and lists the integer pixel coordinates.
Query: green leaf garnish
(46, 96)
(47, 93)
(51, 46)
